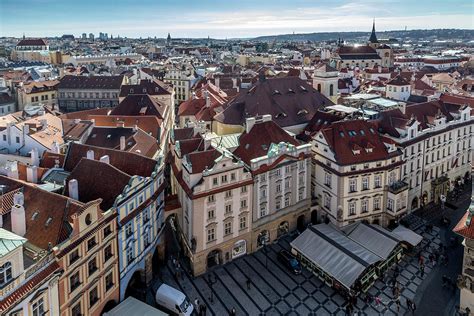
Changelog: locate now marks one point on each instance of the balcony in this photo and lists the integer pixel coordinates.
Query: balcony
(398, 187)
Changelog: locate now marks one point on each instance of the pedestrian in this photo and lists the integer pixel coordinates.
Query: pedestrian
(197, 303)
(422, 270)
(409, 304)
(421, 260)
(397, 301)
(232, 312)
(378, 301)
(202, 309)
(349, 309)
(248, 284)
(413, 306)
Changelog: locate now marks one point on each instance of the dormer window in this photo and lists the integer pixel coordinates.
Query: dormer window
(302, 112)
(356, 151)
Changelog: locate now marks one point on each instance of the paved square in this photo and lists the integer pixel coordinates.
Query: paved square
(276, 291)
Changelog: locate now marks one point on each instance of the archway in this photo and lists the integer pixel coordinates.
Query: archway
(314, 217)
(282, 229)
(300, 223)
(263, 238)
(414, 203)
(214, 258)
(424, 198)
(376, 222)
(136, 286)
(108, 306)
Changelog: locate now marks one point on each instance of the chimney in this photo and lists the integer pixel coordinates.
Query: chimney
(122, 143)
(218, 82)
(73, 187)
(266, 117)
(208, 100)
(55, 148)
(249, 123)
(105, 159)
(44, 124)
(32, 174)
(18, 219)
(135, 128)
(34, 157)
(26, 129)
(90, 154)
(380, 69)
(77, 121)
(12, 169)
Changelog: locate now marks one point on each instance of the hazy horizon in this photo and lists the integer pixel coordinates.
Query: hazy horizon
(217, 19)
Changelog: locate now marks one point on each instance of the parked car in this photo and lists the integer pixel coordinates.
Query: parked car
(173, 300)
(289, 261)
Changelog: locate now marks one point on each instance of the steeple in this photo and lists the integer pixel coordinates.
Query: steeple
(373, 37)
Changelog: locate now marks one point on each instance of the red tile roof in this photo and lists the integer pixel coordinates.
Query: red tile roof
(398, 81)
(257, 142)
(98, 180)
(130, 163)
(200, 160)
(139, 104)
(465, 227)
(290, 101)
(346, 137)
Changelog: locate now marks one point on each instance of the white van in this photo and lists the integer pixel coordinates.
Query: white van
(173, 300)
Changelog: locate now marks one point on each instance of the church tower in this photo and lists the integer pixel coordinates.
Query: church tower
(373, 41)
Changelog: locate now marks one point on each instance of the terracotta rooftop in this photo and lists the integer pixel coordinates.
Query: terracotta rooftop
(139, 104)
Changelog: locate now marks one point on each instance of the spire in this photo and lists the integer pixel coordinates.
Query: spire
(373, 37)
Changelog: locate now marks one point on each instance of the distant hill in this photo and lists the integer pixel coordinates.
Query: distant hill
(440, 34)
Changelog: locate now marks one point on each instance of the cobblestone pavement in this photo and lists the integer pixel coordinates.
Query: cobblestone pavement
(275, 291)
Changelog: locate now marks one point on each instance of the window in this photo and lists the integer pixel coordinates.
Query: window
(243, 204)
(378, 181)
(327, 201)
(352, 208)
(91, 243)
(243, 189)
(263, 193)
(107, 253)
(227, 228)
(263, 209)
(128, 229)
(287, 200)
(76, 310)
(287, 169)
(376, 203)
(73, 256)
(107, 231)
(232, 177)
(5, 273)
(224, 179)
(287, 183)
(228, 194)
(300, 194)
(391, 178)
(109, 281)
(243, 222)
(278, 203)
(278, 172)
(228, 208)
(130, 252)
(211, 234)
(353, 168)
(365, 183)
(4, 138)
(365, 206)
(352, 185)
(74, 281)
(278, 187)
(92, 266)
(263, 177)
(366, 166)
(17, 140)
(327, 179)
(390, 204)
(93, 296)
(215, 181)
(211, 214)
(38, 307)
(211, 198)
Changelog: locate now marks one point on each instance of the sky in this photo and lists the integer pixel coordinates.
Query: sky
(226, 18)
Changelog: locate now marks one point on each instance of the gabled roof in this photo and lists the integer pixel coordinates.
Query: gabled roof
(398, 81)
(257, 142)
(290, 101)
(98, 180)
(90, 82)
(139, 104)
(150, 87)
(150, 124)
(355, 141)
(130, 163)
(200, 160)
(32, 42)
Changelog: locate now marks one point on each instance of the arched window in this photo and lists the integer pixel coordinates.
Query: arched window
(5, 273)
(331, 90)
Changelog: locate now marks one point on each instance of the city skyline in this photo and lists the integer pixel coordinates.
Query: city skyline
(218, 20)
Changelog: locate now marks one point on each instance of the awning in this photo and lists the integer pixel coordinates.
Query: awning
(407, 235)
